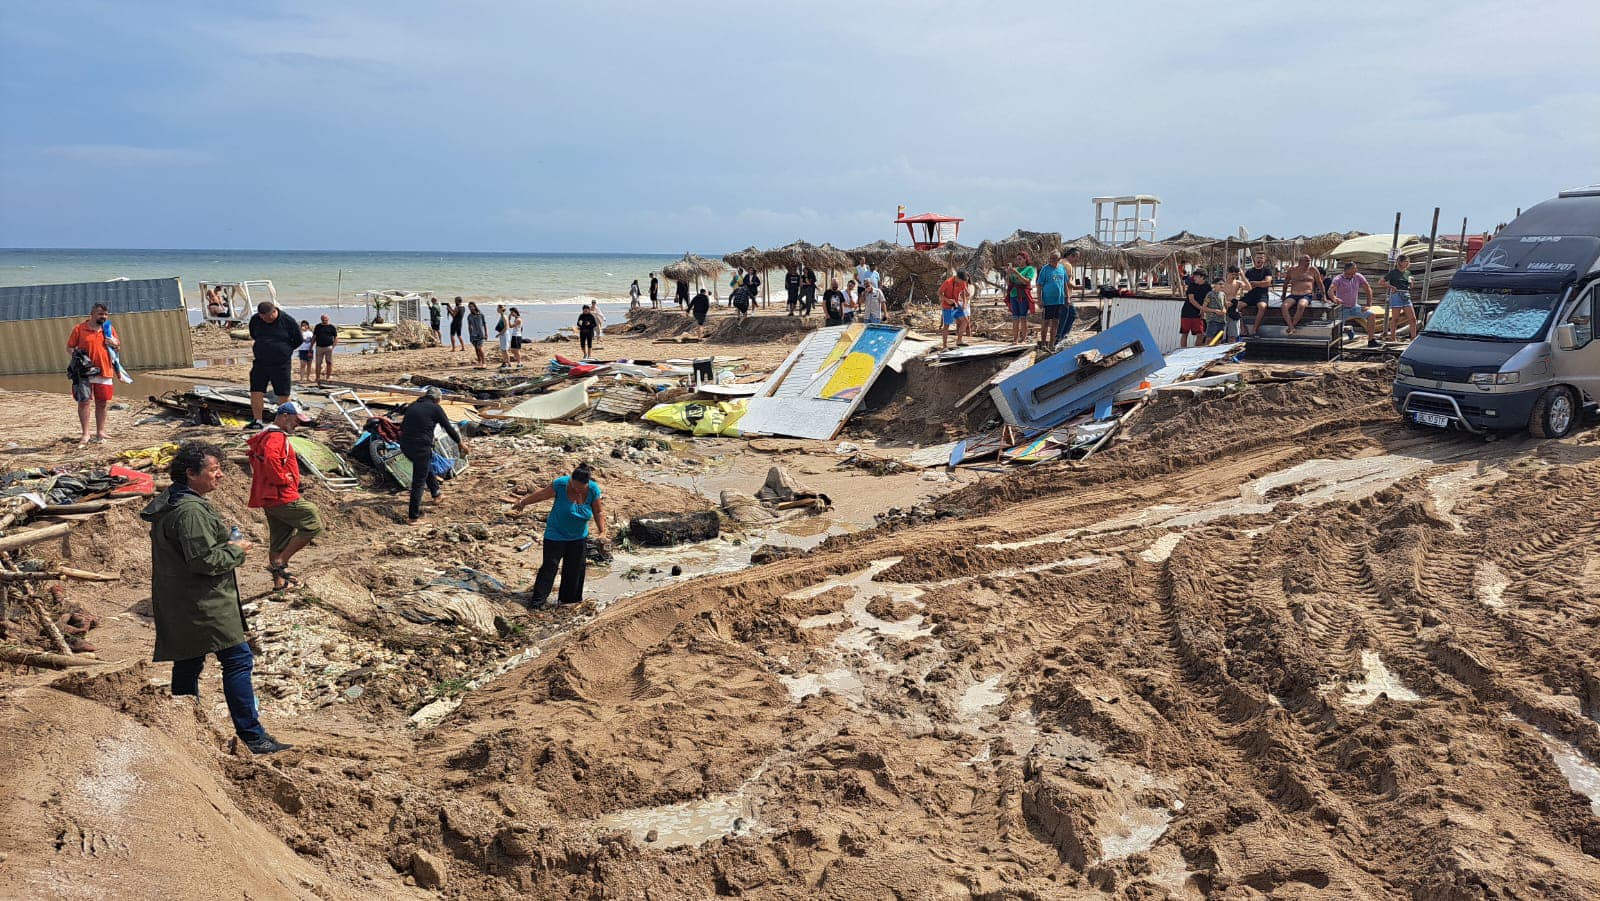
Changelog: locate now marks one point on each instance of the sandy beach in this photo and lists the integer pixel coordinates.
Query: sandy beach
(1268, 643)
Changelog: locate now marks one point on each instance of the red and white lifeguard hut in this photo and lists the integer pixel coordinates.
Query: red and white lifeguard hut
(929, 230)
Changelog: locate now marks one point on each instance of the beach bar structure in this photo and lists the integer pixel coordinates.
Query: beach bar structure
(930, 231)
(1133, 216)
(148, 314)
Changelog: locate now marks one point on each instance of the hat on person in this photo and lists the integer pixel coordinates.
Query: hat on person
(293, 409)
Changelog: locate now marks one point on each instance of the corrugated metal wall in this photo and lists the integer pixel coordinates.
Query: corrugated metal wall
(157, 340)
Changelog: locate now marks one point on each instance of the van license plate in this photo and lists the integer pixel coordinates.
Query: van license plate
(1433, 419)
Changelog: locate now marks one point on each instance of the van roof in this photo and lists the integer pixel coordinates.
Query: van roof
(1572, 213)
(1585, 191)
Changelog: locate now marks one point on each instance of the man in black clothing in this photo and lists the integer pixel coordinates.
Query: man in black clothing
(682, 297)
(808, 292)
(752, 286)
(833, 304)
(586, 326)
(1260, 294)
(740, 301)
(655, 289)
(276, 338)
(791, 288)
(699, 307)
(416, 442)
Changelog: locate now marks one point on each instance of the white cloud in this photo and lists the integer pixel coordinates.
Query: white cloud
(125, 155)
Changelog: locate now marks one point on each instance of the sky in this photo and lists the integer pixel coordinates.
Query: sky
(711, 126)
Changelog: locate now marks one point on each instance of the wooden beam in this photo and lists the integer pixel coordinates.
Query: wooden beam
(60, 574)
(26, 657)
(34, 536)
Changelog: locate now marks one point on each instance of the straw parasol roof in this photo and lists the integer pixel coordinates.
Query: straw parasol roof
(1320, 245)
(690, 267)
(836, 258)
(1095, 253)
(875, 253)
(1039, 246)
(1188, 238)
(749, 258)
(804, 253)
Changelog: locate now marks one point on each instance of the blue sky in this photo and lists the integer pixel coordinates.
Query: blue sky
(558, 126)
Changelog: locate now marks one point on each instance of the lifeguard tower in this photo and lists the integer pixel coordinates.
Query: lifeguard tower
(929, 230)
(1133, 216)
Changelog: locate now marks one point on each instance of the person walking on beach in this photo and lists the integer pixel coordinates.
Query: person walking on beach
(633, 296)
(1400, 307)
(292, 522)
(655, 289)
(576, 501)
(477, 332)
(699, 307)
(324, 338)
(951, 311)
(417, 429)
(1053, 290)
(433, 316)
(752, 286)
(276, 337)
(600, 321)
(791, 288)
(502, 331)
(681, 297)
(1347, 288)
(457, 311)
(194, 594)
(808, 292)
(1019, 295)
(833, 304)
(90, 345)
(1259, 278)
(586, 326)
(304, 352)
(514, 329)
(740, 301)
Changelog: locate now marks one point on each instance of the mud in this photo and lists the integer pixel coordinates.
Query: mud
(1268, 644)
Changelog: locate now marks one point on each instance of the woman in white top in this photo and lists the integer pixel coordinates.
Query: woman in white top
(633, 296)
(502, 331)
(514, 326)
(305, 351)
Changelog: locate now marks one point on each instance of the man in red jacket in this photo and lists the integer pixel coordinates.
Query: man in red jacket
(292, 523)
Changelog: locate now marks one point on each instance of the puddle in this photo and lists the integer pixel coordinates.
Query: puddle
(629, 572)
(690, 823)
(1161, 549)
(1583, 776)
(1134, 831)
(983, 694)
(1376, 680)
(842, 681)
(1489, 583)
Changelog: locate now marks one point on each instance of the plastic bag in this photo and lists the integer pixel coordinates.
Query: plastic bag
(699, 418)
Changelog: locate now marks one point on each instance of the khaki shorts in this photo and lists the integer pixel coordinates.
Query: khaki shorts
(289, 521)
(323, 354)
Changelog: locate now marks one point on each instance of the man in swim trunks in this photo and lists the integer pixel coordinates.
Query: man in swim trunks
(1301, 285)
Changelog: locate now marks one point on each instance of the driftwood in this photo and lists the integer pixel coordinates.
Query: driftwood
(48, 624)
(13, 654)
(88, 507)
(34, 536)
(60, 574)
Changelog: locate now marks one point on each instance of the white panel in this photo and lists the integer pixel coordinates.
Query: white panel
(1162, 316)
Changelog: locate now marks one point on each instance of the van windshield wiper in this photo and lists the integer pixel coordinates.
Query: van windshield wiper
(1471, 337)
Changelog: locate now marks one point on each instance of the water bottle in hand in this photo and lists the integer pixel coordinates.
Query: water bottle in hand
(235, 534)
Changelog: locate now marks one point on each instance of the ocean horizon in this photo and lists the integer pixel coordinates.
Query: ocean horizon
(331, 278)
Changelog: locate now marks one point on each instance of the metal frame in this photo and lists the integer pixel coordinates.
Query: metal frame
(1460, 418)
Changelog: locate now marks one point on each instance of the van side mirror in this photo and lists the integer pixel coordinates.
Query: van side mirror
(1567, 336)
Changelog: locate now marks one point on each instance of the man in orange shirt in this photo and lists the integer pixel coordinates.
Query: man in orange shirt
(952, 298)
(91, 369)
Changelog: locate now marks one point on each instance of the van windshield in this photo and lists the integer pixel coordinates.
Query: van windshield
(1485, 314)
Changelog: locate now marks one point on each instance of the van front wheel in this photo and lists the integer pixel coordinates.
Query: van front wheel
(1555, 413)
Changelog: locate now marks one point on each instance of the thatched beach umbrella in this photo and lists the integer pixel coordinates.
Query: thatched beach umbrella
(874, 253)
(693, 268)
(749, 258)
(914, 276)
(1188, 238)
(1095, 253)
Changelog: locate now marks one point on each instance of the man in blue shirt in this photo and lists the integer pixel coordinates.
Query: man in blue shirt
(1053, 296)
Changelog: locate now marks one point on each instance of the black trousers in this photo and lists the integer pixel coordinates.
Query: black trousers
(586, 341)
(421, 474)
(568, 556)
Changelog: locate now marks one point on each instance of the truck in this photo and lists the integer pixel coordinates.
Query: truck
(1513, 344)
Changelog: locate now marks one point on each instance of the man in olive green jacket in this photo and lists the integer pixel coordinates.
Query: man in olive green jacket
(194, 594)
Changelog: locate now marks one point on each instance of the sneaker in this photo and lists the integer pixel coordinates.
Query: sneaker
(1349, 335)
(434, 494)
(1374, 342)
(266, 744)
(253, 425)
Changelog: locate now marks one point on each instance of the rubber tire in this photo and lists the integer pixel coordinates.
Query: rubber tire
(1539, 420)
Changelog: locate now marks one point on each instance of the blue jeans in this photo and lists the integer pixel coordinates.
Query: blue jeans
(237, 663)
(1066, 315)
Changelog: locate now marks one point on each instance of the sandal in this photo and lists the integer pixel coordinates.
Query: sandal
(281, 579)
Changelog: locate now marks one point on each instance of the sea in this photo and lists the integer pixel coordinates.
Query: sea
(548, 288)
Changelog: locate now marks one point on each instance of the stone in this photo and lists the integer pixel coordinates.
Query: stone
(429, 870)
(667, 529)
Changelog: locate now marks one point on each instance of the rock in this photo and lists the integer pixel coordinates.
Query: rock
(428, 870)
(677, 570)
(667, 529)
(652, 835)
(771, 553)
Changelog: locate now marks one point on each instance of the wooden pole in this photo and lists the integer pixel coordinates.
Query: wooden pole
(57, 575)
(1427, 270)
(48, 625)
(26, 657)
(1461, 249)
(34, 536)
(1394, 243)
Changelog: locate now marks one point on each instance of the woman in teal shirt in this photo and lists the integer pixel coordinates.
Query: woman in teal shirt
(566, 533)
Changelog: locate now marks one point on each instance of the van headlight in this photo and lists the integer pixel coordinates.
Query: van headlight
(1405, 370)
(1495, 378)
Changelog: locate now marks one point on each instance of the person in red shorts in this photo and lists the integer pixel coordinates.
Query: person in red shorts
(91, 370)
(1193, 321)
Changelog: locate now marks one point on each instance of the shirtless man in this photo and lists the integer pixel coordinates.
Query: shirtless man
(1233, 287)
(1301, 284)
